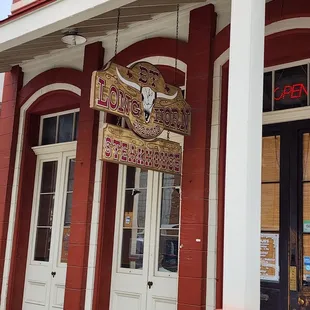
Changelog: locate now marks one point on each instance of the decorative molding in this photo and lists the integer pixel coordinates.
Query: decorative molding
(55, 148)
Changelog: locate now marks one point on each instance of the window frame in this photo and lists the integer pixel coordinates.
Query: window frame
(43, 117)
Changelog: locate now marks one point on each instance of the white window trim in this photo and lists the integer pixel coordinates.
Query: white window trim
(55, 148)
(43, 117)
(288, 115)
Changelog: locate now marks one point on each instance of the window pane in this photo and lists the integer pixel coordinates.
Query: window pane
(267, 93)
(130, 177)
(46, 209)
(49, 130)
(68, 213)
(168, 250)
(270, 218)
(168, 229)
(43, 244)
(49, 177)
(68, 210)
(65, 128)
(306, 157)
(291, 88)
(134, 219)
(170, 208)
(171, 180)
(76, 128)
(65, 245)
(135, 208)
(132, 248)
(306, 260)
(271, 159)
(143, 179)
(71, 175)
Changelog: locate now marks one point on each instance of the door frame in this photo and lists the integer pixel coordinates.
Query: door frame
(291, 207)
(282, 285)
(44, 154)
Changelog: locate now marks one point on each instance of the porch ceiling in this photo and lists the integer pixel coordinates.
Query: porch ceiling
(98, 26)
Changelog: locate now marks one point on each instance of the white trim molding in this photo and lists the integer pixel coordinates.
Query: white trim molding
(18, 157)
(19, 4)
(55, 148)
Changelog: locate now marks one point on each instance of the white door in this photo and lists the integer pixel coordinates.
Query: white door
(50, 228)
(146, 244)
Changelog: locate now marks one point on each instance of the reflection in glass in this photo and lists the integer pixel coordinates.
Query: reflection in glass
(68, 213)
(49, 130)
(267, 93)
(49, 173)
(134, 218)
(270, 206)
(60, 128)
(43, 244)
(270, 217)
(132, 248)
(168, 250)
(65, 130)
(291, 88)
(169, 224)
(76, 126)
(271, 159)
(46, 209)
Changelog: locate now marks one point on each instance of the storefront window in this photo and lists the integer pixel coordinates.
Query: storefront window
(286, 89)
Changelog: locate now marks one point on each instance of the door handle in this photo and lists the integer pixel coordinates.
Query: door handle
(53, 273)
(150, 284)
(301, 301)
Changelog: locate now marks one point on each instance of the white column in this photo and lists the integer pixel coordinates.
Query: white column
(243, 161)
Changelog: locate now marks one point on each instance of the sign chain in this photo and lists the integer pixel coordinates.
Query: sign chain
(177, 44)
(176, 53)
(117, 31)
(119, 119)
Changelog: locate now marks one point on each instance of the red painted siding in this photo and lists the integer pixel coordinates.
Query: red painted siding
(83, 186)
(195, 183)
(9, 118)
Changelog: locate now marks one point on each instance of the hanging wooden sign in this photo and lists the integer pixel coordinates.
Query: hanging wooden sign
(122, 146)
(141, 96)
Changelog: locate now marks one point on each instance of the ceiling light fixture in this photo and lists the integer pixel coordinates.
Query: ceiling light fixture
(72, 38)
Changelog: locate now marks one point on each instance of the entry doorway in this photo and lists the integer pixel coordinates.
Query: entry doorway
(146, 244)
(48, 245)
(285, 226)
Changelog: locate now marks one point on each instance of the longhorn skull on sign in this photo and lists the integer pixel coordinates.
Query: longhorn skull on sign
(141, 95)
(148, 95)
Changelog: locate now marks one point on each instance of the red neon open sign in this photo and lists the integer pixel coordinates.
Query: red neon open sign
(294, 91)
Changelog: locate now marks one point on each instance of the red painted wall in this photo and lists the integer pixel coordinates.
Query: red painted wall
(9, 118)
(196, 162)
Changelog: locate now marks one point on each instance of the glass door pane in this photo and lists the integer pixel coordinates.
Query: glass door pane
(306, 210)
(270, 209)
(168, 250)
(46, 211)
(134, 213)
(68, 211)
